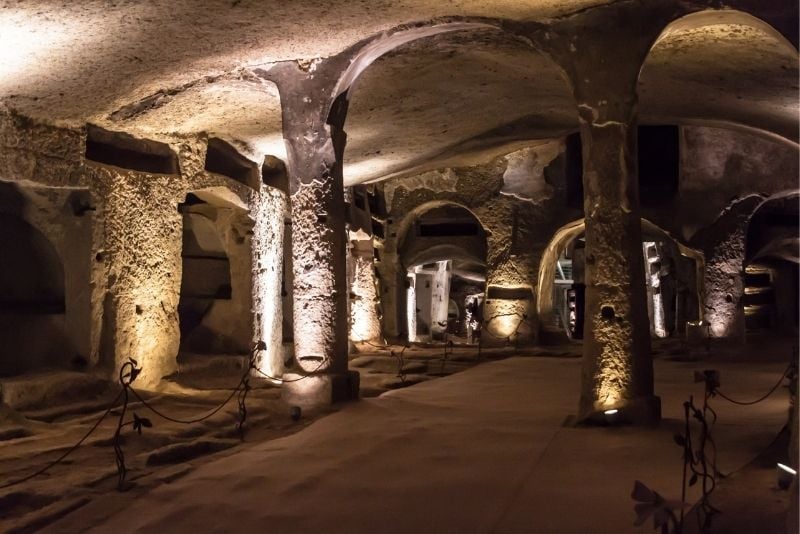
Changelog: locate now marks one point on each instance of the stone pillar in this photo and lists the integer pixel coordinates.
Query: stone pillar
(315, 140)
(617, 364)
(724, 246)
(509, 311)
(440, 298)
(411, 307)
(364, 319)
(393, 296)
(320, 295)
(603, 69)
(269, 210)
(142, 257)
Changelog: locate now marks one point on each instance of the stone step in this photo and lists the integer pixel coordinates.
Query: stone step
(51, 389)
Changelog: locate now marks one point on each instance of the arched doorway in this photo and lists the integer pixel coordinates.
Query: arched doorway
(673, 278)
(443, 251)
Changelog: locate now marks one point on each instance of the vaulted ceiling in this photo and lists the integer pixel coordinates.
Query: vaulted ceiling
(448, 99)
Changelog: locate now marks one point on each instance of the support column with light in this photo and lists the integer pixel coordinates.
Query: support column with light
(141, 253)
(315, 148)
(365, 325)
(617, 368)
(617, 371)
(724, 246)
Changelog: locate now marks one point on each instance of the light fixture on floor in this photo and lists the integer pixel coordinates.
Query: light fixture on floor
(785, 476)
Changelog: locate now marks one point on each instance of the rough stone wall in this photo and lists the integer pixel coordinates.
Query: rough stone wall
(269, 211)
(135, 254)
(141, 252)
(724, 245)
(517, 216)
(319, 290)
(364, 318)
(719, 166)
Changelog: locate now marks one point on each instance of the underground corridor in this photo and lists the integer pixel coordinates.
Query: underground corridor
(478, 266)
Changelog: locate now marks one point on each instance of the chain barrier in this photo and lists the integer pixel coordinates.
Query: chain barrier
(790, 372)
(128, 373)
(399, 356)
(400, 363)
(69, 451)
(700, 453)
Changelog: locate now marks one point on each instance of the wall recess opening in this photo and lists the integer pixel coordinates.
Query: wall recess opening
(222, 158)
(273, 174)
(127, 152)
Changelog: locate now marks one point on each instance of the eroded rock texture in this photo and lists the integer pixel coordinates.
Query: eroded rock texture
(617, 365)
(320, 292)
(364, 304)
(516, 228)
(270, 211)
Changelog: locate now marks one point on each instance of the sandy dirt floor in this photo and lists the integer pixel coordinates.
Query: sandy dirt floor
(481, 450)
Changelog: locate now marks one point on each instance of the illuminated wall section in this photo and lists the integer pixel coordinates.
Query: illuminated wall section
(142, 255)
(411, 307)
(440, 296)
(270, 209)
(364, 320)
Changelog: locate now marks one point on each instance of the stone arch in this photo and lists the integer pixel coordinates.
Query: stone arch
(437, 267)
(405, 224)
(699, 19)
(724, 26)
(374, 47)
(724, 244)
(484, 137)
(570, 231)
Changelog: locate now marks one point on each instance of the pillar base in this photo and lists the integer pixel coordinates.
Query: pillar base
(319, 390)
(638, 411)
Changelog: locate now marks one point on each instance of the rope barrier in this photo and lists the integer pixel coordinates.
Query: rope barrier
(285, 381)
(69, 451)
(400, 363)
(786, 373)
(128, 373)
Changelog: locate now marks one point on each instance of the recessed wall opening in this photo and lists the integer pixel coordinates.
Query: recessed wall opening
(771, 273)
(659, 164)
(127, 152)
(224, 159)
(214, 302)
(33, 312)
(568, 290)
(273, 174)
(445, 301)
